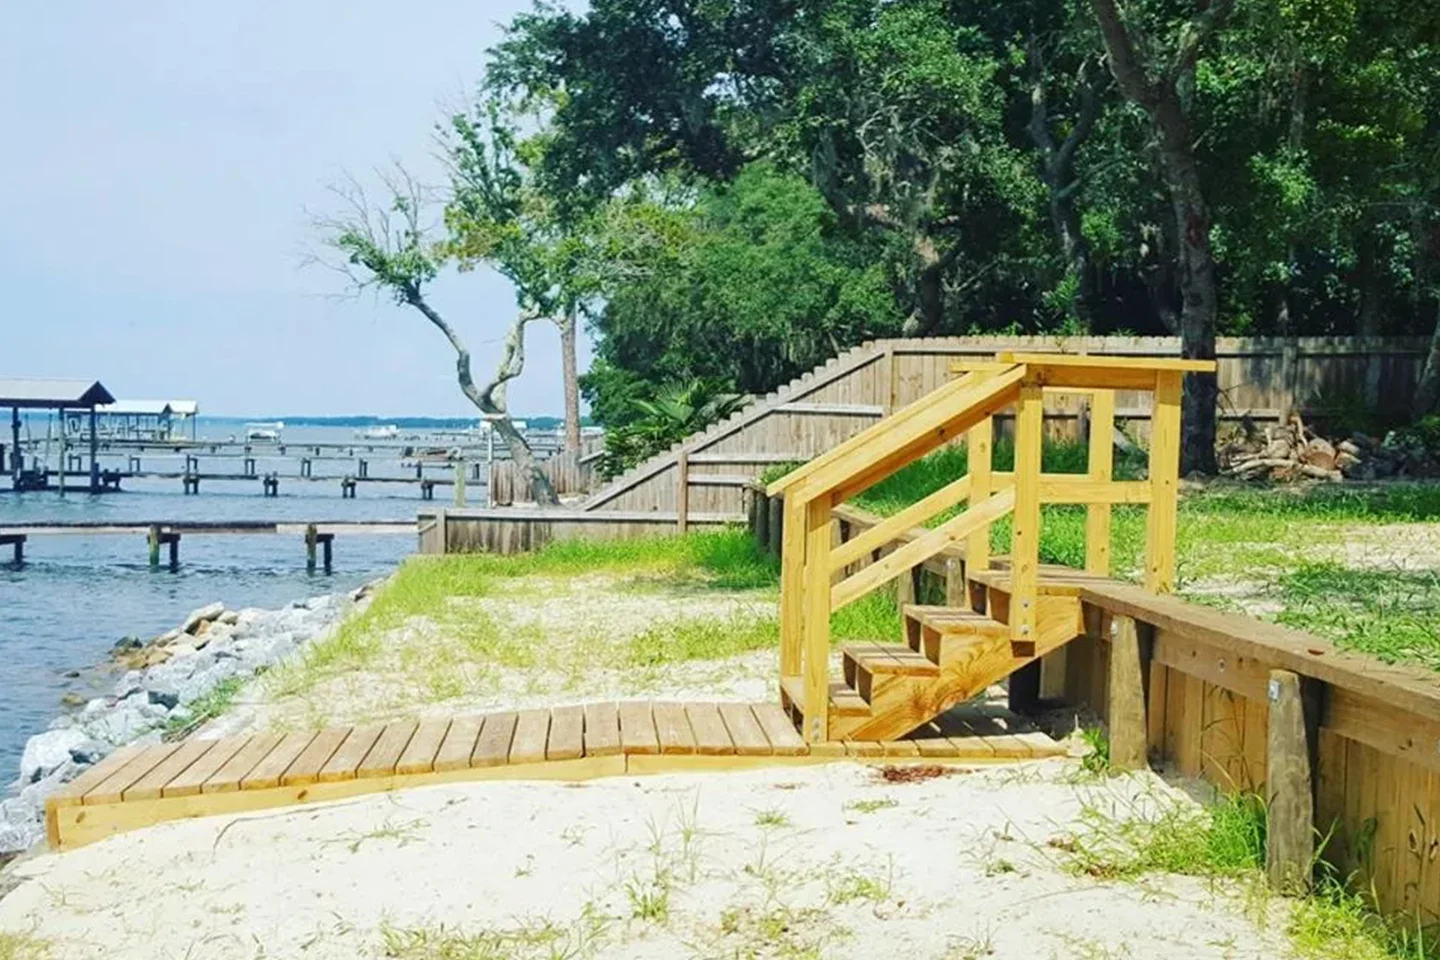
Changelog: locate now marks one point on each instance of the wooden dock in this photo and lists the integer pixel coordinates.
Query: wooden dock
(139, 786)
(319, 536)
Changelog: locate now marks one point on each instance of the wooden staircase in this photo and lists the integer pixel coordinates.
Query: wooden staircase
(1015, 611)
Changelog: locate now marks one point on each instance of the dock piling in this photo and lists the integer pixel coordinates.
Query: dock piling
(157, 538)
(17, 541)
(325, 541)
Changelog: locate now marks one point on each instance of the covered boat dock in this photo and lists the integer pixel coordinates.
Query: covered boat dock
(48, 393)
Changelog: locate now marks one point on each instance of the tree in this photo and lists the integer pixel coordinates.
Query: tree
(385, 246)
(497, 215)
(1158, 93)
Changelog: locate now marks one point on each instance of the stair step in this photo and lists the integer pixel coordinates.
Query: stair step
(844, 701)
(888, 658)
(930, 631)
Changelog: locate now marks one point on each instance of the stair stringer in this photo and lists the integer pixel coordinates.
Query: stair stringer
(904, 703)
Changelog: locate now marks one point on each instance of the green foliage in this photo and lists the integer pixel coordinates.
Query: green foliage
(676, 412)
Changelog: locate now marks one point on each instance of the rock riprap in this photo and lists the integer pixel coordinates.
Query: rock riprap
(164, 677)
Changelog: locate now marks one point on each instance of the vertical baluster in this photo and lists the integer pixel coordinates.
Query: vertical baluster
(1164, 483)
(1101, 469)
(1025, 539)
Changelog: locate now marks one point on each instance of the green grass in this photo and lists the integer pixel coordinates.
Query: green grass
(1393, 614)
(202, 709)
(1126, 839)
(15, 946)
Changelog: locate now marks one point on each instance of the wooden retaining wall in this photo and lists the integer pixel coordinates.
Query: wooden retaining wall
(1262, 379)
(1207, 681)
(507, 530)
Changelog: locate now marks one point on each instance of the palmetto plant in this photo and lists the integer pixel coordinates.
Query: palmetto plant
(675, 412)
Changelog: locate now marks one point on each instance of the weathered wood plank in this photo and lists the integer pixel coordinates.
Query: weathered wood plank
(73, 793)
(637, 728)
(493, 740)
(745, 730)
(602, 729)
(404, 747)
(152, 785)
(567, 734)
(1128, 729)
(711, 737)
(227, 778)
(307, 766)
(267, 772)
(347, 758)
(113, 787)
(532, 734)
(458, 745)
(673, 729)
(784, 739)
(190, 781)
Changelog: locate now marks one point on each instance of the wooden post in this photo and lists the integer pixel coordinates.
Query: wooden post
(1289, 379)
(17, 460)
(682, 491)
(1160, 525)
(980, 444)
(154, 543)
(1025, 539)
(791, 535)
(817, 620)
(1290, 835)
(94, 455)
(1128, 730)
(460, 483)
(311, 539)
(327, 547)
(442, 520)
(760, 519)
(1101, 468)
(174, 540)
(62, 451)
(778, 518)
(955, 595)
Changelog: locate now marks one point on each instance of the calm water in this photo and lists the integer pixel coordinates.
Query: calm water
(77, 596)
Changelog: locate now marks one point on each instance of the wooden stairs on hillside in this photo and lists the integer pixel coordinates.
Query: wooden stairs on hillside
(1013, 611)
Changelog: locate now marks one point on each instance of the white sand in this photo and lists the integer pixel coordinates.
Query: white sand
(959, 867)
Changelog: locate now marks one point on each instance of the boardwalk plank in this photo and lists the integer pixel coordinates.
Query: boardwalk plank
(567, 734)
(113, 787)
(459, 744)
(307, 766)
(391, 748)
(711, 737)
(267, 772)
(785, 740)
(73, 793)
(750, 740)
(151, 786)
(347, 759)
(673, 729)
(419, 753)
(602, 729)
(532, 730)
(190, 782)
(492, 747)
(227, 778)
(637, 728)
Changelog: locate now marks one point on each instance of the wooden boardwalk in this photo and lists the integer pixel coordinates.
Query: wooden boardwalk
(139, 786)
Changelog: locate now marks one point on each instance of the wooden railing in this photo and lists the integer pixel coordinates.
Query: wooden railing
(816, 575)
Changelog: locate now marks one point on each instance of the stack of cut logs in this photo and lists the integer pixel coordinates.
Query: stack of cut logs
(1292, 452)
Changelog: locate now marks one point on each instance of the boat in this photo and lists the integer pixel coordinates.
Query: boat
(263, 432)
(387, 432)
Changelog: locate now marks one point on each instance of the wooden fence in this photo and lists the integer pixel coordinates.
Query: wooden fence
(1195, 691)
(570, 472)
(1261, 379)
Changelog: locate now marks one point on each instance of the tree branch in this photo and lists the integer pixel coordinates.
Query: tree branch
(1125, 64)
(1194, 35)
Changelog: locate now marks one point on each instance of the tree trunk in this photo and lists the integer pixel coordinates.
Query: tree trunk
(1198, 294)
(572, 381)
(1160, 98)
(490, 399)
(929, 311)
(1427, 392)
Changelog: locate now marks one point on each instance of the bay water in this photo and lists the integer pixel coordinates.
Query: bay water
(76, 596)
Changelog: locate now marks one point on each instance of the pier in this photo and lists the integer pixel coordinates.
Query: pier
(317, 536)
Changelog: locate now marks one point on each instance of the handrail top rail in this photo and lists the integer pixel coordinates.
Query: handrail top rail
(1103, 362)
(898, 425)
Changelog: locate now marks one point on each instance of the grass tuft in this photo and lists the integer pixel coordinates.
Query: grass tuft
(17, 946)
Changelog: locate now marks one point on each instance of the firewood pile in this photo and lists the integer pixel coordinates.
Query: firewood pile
(1290, 451)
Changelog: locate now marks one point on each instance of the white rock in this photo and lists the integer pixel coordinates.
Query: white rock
(46, 752)
(229, 618)
(205, 613)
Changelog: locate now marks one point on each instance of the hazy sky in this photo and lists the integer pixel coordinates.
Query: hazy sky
(156, 162)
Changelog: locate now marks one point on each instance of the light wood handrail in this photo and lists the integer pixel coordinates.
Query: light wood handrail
(890, 528)
(917, 551)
